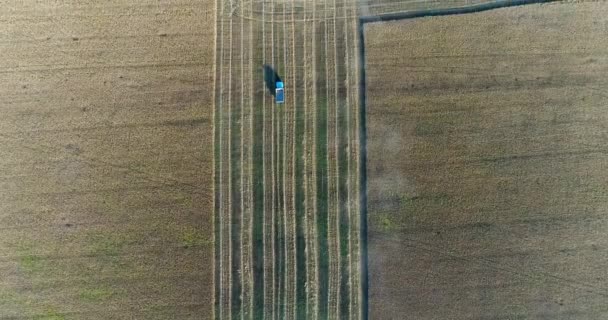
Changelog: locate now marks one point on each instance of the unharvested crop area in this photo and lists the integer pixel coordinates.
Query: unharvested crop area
(106, 159)
(487, 164)
(286, 176)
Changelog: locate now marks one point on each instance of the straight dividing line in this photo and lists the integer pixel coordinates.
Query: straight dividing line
(279, 188)
(248, 314)
(280, 174)
(343, 170)
(260, 199)
(355, 215)
(328, 154)
(250, 184)
(216, 181)
(349, 104)
(293, 230)
(478, 7)
(361, 181)
(330, 121)
(305, 148)
(274, 304)
(230, 186)
(314, 281)
(337, 261)
(245, 293)
(288, 194)
(264, 169)
(221, 170)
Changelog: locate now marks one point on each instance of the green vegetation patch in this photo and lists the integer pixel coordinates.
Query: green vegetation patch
(32, 263)
(194, 238)
(95, 295)
(50, 314)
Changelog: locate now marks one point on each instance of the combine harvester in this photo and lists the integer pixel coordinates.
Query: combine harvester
(279, 92)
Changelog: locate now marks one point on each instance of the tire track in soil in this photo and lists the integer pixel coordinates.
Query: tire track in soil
(289, 171)
(216, 166)
(273, 175)
(310, 168)
(245, 177)
(224, 163)
(258, 177)
(321, 143)
(278, 175)
(235, 165)
(269, 183)
(332, 163)
(343, 221)
(246, 168)
(299, 142)
(355, 214)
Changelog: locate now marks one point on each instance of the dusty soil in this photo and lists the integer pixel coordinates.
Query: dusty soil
(487, 164)
(106, 197)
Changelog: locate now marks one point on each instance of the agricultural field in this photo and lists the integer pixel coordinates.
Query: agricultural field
(287, 217)
(487, 164)
(106, 191)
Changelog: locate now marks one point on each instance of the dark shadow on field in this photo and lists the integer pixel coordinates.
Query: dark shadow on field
(270, 78)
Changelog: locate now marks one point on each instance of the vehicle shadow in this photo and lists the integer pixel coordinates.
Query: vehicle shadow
(270, 78)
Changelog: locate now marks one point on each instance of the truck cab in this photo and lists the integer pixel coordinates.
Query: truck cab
(279, 93)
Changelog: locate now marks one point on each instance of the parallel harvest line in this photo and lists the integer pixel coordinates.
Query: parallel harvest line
(224, 239)
(299, 294)
(216, 165)
(245, 173)
(355, 213)
(259, 177)
(268, 303)
(229, 184)
(312, 217)
(274, 171)
(307, 162)
(288, 178)
(333, 175)
(349, 172)
(342, 173)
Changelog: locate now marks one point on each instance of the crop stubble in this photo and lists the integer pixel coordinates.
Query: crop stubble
(497, 138)
(297, 227)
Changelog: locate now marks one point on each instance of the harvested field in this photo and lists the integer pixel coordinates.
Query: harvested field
(287, 207)
(106, 189)
(487, 164)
